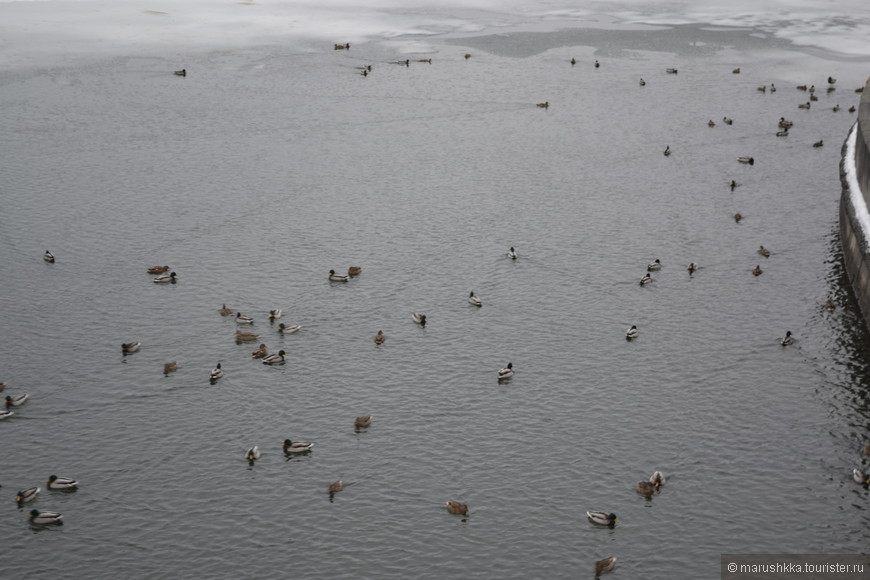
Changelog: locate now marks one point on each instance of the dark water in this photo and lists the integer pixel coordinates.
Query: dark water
(263, 169)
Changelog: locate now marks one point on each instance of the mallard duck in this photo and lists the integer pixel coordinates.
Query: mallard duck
(2, 385)
(645, 488)
(225, 311)
(474, 300)
(545, 105)
(764, 251)
(252, 454)
(667, 150)
(819, 143)
(642, 82)
(746, 160)
(787, 339)
(671, 71)
(5, 414)
(631, 332)
(783, 133)
(27, 495)
(246, 336)
(836, 108)
(654, 265)
(335, 487)
(831, 80)
(260, 352)
(710, 123)
(243, 319)
(333, 277)
(691, 268)
(181, 73)
(296, 446)
(457, 507)
(801, 87)
(859, 90)
(166, 278)
(852, 109)
(784, 124)
(48, 257)
(512, 254)
(861, 477)
(354, 271)
(274, 359)
(170, 367)
(812, 89)
(736, 71)
(757, 271)
(216, 373)
(602, 518)
(597, 64)
(507, 372)
(419, 318)
(285, 329)
(16, 400)
(645, 280)
(42, 518)
(762, 89)
(727, 121)
(380, 337)
(813, 98)
(737, 217)
(657, 478)
(130, 347)
(733, 184)
(273, 314)
(804, 105)
(467, 56)
(363, 421)
(62, 483)
(157, 269)
(607, 564)
(345, 46)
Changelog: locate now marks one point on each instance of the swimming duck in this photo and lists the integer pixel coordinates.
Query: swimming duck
(252, 454)
(671, 71)
(419, 318)
(216, 373)
(545, 105)
(783, 133)
(861, 477)
(667, 151)
(654, 265)
(757, 271)
(512, 254)
(275, 359)
(691, 268)
(243, 319)
(812, 88)
(2, 385)
(657, 478)
(831, 80)
(736, 71)
(467, 56)
(333, 277)
(474, 300)
(727, 121)
(284, 329)
(852, 109)
(362, 421)
(16, 400)
(645, 280)
(746, 160)
(764, 251)
(597, 64)
(607, 564)
(710, 123)
(602, 518)
(836, 108)
(784, 124)
(246, 336)
(157, 269)
(354, 271)
(573, 61)
(42, 518)
(296, 446)
(62, 483)
(507, 372)
(772, 88)
(830, 306)
(646, 488)
(225, 311)
(804, 105)
(170, 367)
(273, 314)
(27, 495)
(130, 347)
(737, 217)
(181, 73)
(801, 87)
(345, 46)
(762, 89)
(813, 98)
(260, 352)
(48, 257)
(787, 339)
(5, 414)
(642, 82)
(380, 337)
(818, 143)
(335, 487)
(631, 332)
(457, 507)
(166, 278)
(733, 184)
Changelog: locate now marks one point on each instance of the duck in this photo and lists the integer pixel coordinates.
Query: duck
(645, 488)
(813, 98)
(170, 367)
(16, 400)
(642, 82)
(380, 337)
(812, 89)
(243, 319)
(345, 46)
(733, 184)
(507, 372)
(62, 483)
(216, 373)
(764, 251)
(296, 446)
(246, 336)
(772, 88)
(157, 269)
(691, 268)
(645, 280)
(830, 306)
(274, 359)
(746, 160)
(285, 329)
(836, 108)
(252, 454)
(736, 71)
(362, 421)
(573, 61)
(48, 257)
(4, 414)
(273, 314)
(512, 254)
(2, 385)
(667, 151)
(42, 518)
(654, 266)
(467, 56)
(260, 352)
(861, 477)
(787, 339)
(354, 271)
(419, 318)
(831, 80)
(166, 278)
(757, 271)
(456, 507)
(804, 105)
(657, 478)
(602, 518)
(333, 277)
(852, 109)
(762, 89)
(819, 143)
(335, 487)
(597, 64)
(181, 73)
(27, 495)
(782, 133)
(737, 217)
(727, 121)
(225, 311)
(474, 300)
(130, 347)
(711, 123)
(607, 564)
(545, 105)
(631, 332)
(801, 87)
(784, 124)
(671, 71)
